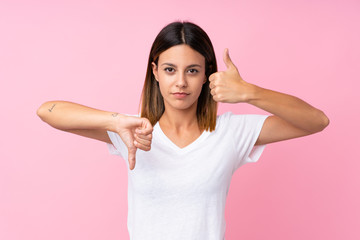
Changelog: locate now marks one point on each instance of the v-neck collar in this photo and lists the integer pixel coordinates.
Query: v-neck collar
(175, 147)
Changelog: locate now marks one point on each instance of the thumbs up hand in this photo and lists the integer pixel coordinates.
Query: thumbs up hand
(136, 133)
(228, 86)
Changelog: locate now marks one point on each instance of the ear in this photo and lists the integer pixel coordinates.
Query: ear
(155, 70)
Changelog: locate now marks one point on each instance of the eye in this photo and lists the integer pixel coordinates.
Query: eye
(169, 69)
(192, 70)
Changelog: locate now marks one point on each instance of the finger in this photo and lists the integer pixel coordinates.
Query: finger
(131, 157)
(145, 128)
(214, 84)
(212, 77)
(144, 133)
(143, 136)
(227, 59)
(211, 85)
(142, 141)
(215, 98)
(144, 147)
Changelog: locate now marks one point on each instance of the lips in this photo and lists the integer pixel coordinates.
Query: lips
(180, 94)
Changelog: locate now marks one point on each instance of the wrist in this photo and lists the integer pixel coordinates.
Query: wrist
(253, 93)
(115, 121)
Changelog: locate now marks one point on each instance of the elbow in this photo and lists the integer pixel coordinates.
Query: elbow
(326, 122)
(322, 121)
(41, 111)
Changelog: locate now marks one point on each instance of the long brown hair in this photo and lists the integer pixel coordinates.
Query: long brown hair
(176, 33)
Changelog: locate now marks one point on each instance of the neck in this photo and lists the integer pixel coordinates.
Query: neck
(180, 119)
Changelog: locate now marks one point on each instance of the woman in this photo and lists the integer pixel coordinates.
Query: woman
(188, 154)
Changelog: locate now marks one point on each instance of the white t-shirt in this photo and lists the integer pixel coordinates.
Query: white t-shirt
(180, 193)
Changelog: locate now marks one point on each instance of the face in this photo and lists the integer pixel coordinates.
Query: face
(181, 73)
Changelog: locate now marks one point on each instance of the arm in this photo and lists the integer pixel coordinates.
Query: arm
(292, 116)
(93, 123)
(79, 119)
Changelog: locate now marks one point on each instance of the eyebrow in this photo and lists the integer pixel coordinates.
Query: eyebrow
(173, 65)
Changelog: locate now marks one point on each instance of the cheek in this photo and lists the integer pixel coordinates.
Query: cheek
(199, 84)
(165, 81)
(163, 78)
(163, 85)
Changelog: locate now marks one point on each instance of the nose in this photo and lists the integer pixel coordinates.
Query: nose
(181, 80)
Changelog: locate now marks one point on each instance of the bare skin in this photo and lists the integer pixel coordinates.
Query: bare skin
(181, 73)
(180, 69)
(292, 117)
(93, 123)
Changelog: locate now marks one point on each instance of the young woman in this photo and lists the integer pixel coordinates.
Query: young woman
(187, 154)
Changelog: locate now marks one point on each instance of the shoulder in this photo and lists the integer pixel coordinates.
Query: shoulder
(224, 118)
(229, 116)
(230, 119)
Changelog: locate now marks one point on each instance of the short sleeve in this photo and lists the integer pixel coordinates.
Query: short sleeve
(245, 130)
(117, 146)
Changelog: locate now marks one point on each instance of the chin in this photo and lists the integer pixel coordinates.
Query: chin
(180, 104)
(183, 106)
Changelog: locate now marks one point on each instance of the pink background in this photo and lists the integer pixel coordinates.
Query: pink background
(55, 185)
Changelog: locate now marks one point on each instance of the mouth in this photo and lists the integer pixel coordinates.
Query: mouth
(180, 94)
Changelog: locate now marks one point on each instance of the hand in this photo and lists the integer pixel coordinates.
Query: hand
(136, 133)
(228, 86)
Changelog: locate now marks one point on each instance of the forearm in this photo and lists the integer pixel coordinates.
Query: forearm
(65, 116)
(289, 108)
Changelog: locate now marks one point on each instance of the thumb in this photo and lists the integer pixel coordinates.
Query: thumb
(145, 126)
(227, 59)
(131, 156)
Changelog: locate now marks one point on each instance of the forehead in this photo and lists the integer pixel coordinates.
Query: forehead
(181, 55)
